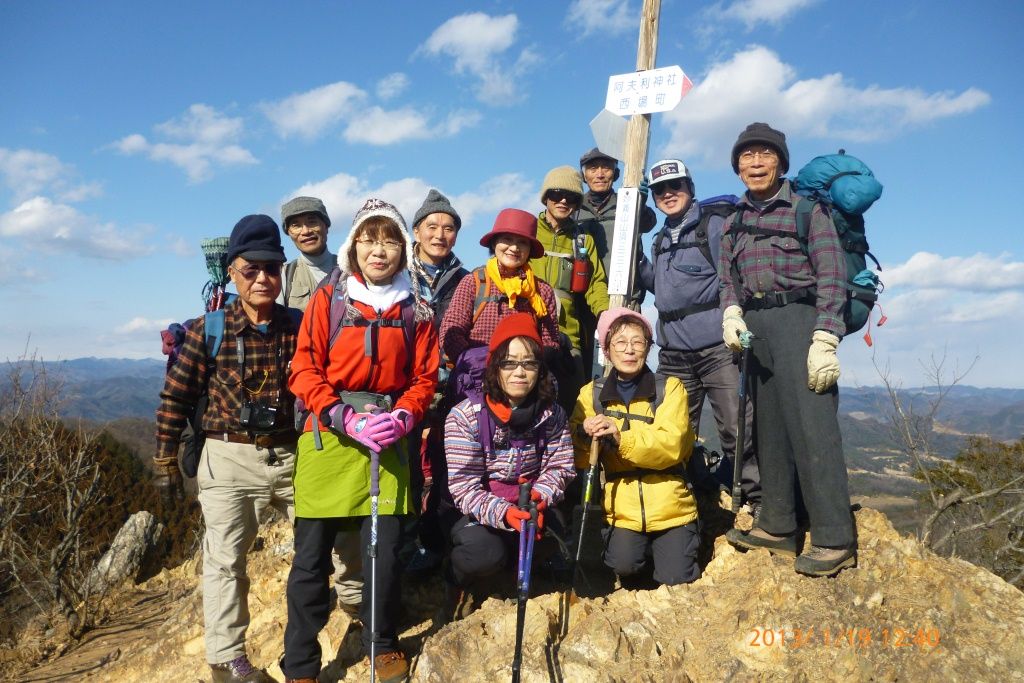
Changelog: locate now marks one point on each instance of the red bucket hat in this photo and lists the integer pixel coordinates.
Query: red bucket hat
(512, 326)
(515, 222)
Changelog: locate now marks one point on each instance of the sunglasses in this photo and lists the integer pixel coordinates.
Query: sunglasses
(528, 365)
(252, 270)
(661, 188)
(562, 196)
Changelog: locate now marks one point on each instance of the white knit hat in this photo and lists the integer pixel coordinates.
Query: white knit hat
(374, 207)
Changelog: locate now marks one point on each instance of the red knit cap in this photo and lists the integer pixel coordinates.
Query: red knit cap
(512, 326)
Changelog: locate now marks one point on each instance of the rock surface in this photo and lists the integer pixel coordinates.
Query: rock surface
(125, 557)
(902, 614)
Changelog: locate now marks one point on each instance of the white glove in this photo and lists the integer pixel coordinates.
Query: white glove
(822, 364)
(732, 327)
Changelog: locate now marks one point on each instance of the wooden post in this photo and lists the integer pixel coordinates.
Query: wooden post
(638, 132)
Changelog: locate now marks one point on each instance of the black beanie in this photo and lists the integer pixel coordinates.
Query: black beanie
(763, 133)
(436, 203)
(255, 238)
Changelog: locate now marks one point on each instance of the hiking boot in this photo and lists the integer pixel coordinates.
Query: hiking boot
(821, 561)
(238, 670)
(422, 562)
(391, 667)
(758, 538)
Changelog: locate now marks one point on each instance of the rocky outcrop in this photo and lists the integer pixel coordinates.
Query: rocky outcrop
(127, 553)
(902, 614)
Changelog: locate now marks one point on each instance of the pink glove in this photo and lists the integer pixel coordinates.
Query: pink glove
(340, 416)
(363, 427)
(402, 423)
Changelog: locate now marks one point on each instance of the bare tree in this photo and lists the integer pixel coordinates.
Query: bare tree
(975, 502)
(49, 482)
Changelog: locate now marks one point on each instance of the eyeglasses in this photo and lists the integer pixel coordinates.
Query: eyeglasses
(620, 345)
(563, 196)
(252, 270)
(661, 188)
(532, 365)
(312, 224)
(766, 154)
(389, 245)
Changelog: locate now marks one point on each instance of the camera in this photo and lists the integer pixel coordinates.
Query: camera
(257, 417)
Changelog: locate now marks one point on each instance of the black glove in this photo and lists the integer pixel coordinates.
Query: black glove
(169, 483)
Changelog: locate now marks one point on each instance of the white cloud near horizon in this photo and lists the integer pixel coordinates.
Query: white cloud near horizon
(752, 13)
(756, 85)
(477, 43)
(392, 85)
(309, 114)
(27, 173)
(604, 17)
(140, 324)
(205, 139)
(40, 224)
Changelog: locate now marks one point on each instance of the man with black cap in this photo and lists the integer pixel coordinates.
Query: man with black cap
(305, 221)
(249, 454)
(438, 271)
(682, 274)
(788, 293)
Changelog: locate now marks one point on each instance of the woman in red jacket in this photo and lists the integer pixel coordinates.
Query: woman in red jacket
(365, 367)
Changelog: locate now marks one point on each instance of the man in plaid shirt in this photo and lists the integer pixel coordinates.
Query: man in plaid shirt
(249, 455)
(791, 295)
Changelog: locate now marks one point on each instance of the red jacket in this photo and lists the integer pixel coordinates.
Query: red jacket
(319, 373)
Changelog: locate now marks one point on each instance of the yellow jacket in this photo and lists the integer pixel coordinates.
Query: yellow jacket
(653, 499)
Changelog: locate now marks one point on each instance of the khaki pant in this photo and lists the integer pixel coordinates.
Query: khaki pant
(236, 484)
(348, 568)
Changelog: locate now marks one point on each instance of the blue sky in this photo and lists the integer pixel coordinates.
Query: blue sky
(130, 131)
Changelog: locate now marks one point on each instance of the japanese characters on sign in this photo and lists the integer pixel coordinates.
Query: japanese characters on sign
(621, 261)
(647, 92)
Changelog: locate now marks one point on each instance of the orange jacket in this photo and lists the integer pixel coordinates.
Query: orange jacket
(319, 373)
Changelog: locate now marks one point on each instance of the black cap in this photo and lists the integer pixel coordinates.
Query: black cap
(595, 154)
(765, 134)
(256, 238)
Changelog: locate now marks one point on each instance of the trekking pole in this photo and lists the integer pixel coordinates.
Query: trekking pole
(526, 532)
(741, 425)
(372, 552)
(588, 487)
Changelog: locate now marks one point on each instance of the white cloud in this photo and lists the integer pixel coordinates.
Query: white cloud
(477, 42)
(392, 85)
(755, 85)
(978, 273)
(45, 226)
(27, 173)
(752, 13)
(139, 324)
(376, 126)
(207, 138)
(311, 113)
(604, 17)
(344, 194)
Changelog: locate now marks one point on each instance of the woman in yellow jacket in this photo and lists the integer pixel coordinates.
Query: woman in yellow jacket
(647, 505)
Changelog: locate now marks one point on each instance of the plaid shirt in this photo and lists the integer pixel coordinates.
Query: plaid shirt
(778, 264)
(267, 363)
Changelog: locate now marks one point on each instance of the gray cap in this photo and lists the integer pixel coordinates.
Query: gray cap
(436, 203)
(300, 205)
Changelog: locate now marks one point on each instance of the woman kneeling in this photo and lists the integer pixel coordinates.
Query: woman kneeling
(645, 441)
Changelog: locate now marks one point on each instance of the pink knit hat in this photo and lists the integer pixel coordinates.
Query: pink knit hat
(604, 323)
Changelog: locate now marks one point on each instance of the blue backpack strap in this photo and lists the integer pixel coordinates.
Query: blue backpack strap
(214, 325)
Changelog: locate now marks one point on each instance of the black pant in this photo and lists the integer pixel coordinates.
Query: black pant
(309, 590)
(674, 552)
(799, 446)
(713, 372)
(479, 551)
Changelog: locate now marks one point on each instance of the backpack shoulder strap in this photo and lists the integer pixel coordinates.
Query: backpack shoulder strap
(337, 306)
(481, 298)
(289, 275)
(804, 208)
(660, 380)
(214, 325)
(598, 387)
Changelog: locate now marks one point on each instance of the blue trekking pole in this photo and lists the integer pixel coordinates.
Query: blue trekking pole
(372, 552)
(741, 425)
(527, 531)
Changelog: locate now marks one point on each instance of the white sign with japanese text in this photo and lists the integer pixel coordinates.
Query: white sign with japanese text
(647, 92)
(621, 261)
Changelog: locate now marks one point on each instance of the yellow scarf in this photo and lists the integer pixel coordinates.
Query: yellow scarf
(517, 286)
